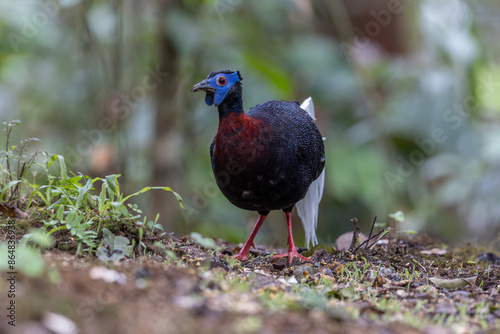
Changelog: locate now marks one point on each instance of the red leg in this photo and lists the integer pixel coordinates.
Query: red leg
(244, 252)
(292, 251)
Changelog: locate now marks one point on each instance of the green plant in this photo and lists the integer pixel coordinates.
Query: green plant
(351, 272)
(14, 164)
(113, 248)
(72, 203)
(150, 225)
(25, 255)
(232, 261)
(278, 301)
(204, 242)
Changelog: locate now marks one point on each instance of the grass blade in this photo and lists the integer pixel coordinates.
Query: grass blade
(145, 189)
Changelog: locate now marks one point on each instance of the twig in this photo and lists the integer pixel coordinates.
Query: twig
(379, 234)
(161, 236)
(371, 230)
(355, 233)
(7, 157)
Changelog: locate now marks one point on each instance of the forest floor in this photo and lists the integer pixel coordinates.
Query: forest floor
(185, 284)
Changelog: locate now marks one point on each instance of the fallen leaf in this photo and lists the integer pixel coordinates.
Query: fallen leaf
(311, 251)
(379, 281)
(434, 251)
(454, 283)
(107, 275)
(401, 283)
(12, 211)
(59, 324)
(343, 242)
(304, 271)
(336, 267)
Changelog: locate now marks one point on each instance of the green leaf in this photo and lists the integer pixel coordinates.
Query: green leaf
(123, 244)
(112, 182)
(36, 192)
(107, 236)
(105, 256)
(122, 209)
(141, 233)
(158, 226)
(28, 259)
(82, 192)
(62, 165)
(8, 186)
(202, 241)
(145, 189)
(342, 293)
(60, 213)
(48, 193)
(74, 219)
(114, 248)
(39, 237)
(55, 229)
(170, 253)
(398, 216)
(58, 202)
(102, 200)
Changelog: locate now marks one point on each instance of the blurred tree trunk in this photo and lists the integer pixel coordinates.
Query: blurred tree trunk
(382, 21)
(166, 157)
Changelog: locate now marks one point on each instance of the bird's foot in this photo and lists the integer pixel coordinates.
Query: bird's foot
(240, 256)
(291, 254)
(243, 255)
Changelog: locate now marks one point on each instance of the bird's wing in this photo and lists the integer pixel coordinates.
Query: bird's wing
(307, 208)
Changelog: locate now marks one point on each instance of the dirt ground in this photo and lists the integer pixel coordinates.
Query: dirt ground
(183, 287)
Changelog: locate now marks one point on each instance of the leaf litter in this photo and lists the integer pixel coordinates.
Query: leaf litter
(187, 284)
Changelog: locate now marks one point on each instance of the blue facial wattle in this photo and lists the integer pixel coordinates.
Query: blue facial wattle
(221, 91)
(209, 99)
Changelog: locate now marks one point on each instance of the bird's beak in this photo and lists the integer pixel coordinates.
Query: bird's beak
(203, 85)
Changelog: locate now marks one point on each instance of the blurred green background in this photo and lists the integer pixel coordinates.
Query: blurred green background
(406, 93)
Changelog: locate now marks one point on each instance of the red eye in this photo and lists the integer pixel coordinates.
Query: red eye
(221, 81)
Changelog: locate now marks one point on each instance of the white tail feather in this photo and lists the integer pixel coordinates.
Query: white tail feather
(307, 208)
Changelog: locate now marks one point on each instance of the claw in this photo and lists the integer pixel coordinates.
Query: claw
(291, 254)
(292, 251)
(240, 257)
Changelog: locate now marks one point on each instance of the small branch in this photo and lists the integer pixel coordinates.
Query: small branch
(371, 230)
(379, 234)
(7, 157)
(355, 234)
(156, 238)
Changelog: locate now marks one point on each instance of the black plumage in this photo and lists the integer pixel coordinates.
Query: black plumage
(272, 166)
(264, 159)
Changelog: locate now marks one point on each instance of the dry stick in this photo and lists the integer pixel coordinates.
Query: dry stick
(164, 234)
(380, 233)
(155, 238)
(355, 233)
(7, 158)
(371, 230)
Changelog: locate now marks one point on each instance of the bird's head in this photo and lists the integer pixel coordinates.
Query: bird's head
(218, 85)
